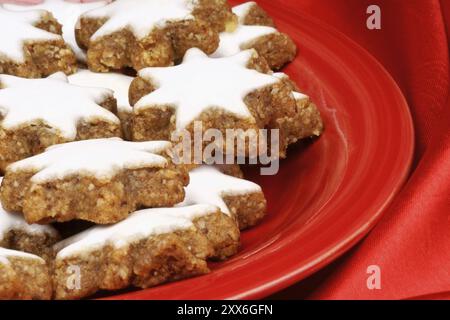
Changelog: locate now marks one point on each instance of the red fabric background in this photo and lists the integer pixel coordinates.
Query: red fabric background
(412, 242)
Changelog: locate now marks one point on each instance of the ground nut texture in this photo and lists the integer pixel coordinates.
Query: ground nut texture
(149, 261)
(162, 46)
(152, 122)
(90, 199)
(30, 124)
(41, 58)
(23, 278)
(86, 184)
(277, 48)
(249, 209)
(34, 243)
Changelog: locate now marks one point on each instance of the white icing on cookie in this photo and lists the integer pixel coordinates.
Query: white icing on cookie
(54, 101)
(140, 16)
(10, 221)
(243, 10)
(67, 14)
(140, 225)
(117, 82)
(5, 254)
(234, 42)
(209, 185)
(17, 28)
(99, 158)
(201, 83)
(297, 95)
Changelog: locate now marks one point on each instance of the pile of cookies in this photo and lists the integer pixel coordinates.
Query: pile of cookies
(91, 95)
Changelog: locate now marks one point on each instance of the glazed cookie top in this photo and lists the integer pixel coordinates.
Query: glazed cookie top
(233, 42)
(10, 221)
(17, 28)
(67, 14)
(209, 185)
(99, 158)
(5, 254)
(200, 83)
(140, 16)
(141, 224)
(52, 100)
(117, 82)
(242, 10)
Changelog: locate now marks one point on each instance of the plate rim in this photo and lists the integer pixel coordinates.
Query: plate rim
(298, 271)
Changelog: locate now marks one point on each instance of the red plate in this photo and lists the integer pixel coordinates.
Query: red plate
(329, 193)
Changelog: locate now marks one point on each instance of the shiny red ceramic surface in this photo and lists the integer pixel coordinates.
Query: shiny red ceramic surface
(329, 192)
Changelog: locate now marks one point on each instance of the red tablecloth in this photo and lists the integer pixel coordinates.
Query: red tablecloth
(411, 244)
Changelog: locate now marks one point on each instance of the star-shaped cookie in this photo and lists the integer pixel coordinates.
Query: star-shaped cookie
(31, 45)
(67, 14)
(202, 84)
(53, 101)
(152, 246)
(23, 276)
(18, 28)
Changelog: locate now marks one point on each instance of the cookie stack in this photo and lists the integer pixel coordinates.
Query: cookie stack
(97, 145)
